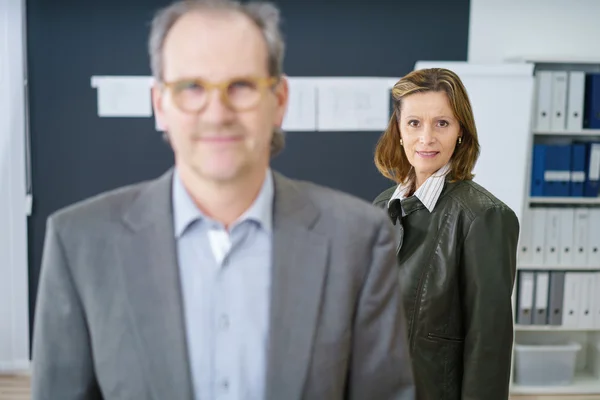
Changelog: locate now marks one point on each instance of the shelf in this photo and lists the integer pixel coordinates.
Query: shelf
(552, 328)
(578, 268)
(584, 384)
(584, 132)
(564, 200)
(552, 59)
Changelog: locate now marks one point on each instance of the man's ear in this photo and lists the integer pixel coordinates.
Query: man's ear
(282, 97)
(157, 105)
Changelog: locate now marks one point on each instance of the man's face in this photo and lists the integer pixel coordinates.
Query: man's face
(218, 140)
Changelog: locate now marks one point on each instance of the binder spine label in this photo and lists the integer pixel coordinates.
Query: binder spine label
(555, 176)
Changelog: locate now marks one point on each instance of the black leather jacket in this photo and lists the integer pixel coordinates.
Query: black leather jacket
(457, 268)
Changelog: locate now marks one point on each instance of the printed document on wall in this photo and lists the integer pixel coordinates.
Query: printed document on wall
(301, 114)
(123, 96)
(353, 104)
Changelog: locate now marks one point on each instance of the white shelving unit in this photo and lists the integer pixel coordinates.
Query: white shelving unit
(582, 385)
(587, 373)
(552, 267)
(547, 328)
(583, 132)
(565, 200)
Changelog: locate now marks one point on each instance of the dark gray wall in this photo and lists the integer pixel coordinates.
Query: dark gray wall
(75, 154)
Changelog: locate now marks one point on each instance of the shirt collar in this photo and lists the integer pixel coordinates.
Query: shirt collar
(429, 192)
(185, 212)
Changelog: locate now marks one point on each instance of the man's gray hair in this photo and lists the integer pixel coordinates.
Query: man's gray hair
(265, 15)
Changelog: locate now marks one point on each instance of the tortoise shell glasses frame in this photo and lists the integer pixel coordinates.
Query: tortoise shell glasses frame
(191, 95)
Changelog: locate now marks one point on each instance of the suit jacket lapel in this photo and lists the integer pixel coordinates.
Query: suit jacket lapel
(299, 269)
(151, 276)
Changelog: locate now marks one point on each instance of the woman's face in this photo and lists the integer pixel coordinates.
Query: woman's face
(429, 132)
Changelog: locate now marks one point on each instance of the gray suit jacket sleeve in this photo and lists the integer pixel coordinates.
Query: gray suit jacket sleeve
(63, 366)
(381, 367)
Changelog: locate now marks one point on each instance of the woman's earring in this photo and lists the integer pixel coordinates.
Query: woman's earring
(401, 142)
(459, 139)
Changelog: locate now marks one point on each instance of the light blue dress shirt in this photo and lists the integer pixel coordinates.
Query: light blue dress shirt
(225, 279)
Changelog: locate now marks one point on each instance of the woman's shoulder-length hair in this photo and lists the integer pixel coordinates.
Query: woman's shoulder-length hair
(390, 159)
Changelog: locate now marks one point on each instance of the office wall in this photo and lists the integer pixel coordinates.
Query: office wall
(76, 154)
(547, 28)
(14, 324)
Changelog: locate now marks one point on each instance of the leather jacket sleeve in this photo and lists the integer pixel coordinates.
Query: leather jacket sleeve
(488, 267)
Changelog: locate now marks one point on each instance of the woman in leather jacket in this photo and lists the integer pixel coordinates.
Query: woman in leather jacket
(457, 243)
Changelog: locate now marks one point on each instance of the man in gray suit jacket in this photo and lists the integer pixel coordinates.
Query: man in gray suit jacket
(220, 279)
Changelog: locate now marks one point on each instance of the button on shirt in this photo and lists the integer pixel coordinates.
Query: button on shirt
(225, 280)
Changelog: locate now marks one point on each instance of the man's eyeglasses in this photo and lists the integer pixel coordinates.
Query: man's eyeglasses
(239, 94)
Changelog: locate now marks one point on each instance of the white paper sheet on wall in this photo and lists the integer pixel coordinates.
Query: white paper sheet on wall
(123, 96)
(315, 104)
(301, 113)
(353, 104)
